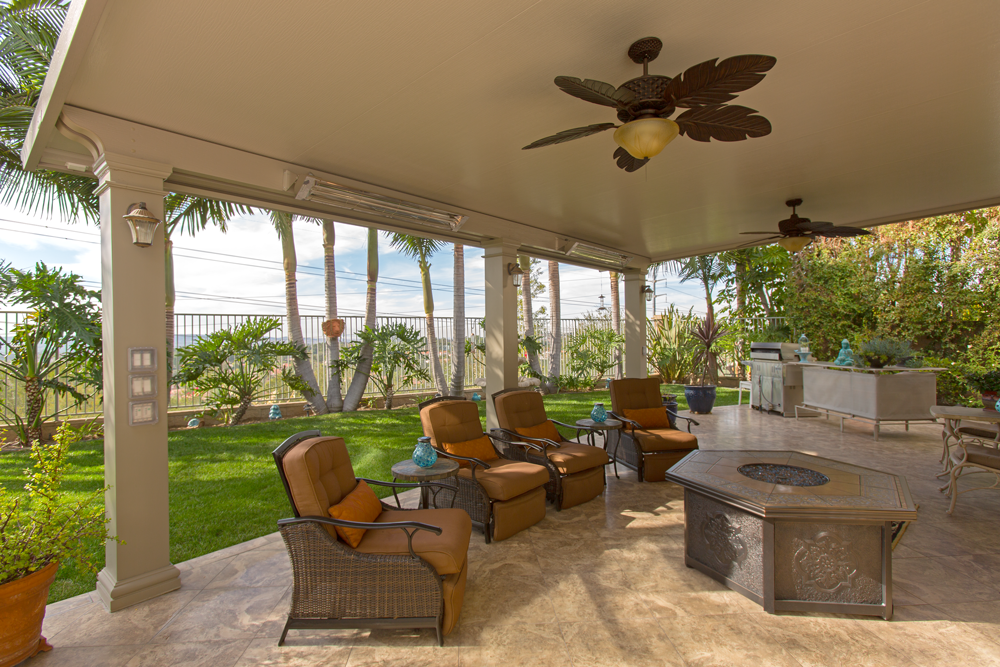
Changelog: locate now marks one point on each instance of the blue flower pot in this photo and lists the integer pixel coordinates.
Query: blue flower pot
(599, 414)
(700, 399)
(423, 454)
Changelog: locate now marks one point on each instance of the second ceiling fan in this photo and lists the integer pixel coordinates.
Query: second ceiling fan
(645, 104)
(795, 232)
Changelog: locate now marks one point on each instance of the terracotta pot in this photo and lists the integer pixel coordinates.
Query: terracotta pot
(333, 328)
(989, 400)
(22, 608)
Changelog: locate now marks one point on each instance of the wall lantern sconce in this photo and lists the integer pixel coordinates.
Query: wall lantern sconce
(516, 273)
(647, 291)
(142, 223)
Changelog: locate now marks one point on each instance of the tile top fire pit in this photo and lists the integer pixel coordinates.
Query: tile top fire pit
(791, 531)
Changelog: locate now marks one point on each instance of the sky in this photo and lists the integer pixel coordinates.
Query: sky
(240, 272)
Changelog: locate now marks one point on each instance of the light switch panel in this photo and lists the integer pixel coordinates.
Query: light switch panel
(142, 359)
(141, 413)
(142, 386)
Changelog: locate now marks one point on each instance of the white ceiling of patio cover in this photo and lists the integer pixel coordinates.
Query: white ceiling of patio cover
(880, 110)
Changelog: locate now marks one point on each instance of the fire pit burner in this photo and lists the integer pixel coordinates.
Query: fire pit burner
(775, 473)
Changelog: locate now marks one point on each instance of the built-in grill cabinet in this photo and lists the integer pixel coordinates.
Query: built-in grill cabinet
(776, 383)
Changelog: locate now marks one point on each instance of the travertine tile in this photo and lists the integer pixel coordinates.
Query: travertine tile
(619, 643)
(422, 656)
(196, 576)
(198, 654)
(829, 641)
(137, 624)
(260, 567)
(936, 580)
(928, 637)
(724, 641)
(265, 652)
(222, 614)
(84, 656)
(512, 644)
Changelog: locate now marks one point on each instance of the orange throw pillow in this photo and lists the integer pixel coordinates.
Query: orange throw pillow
(649, 417)
(546, 430)
(361, 504)
(480, 448)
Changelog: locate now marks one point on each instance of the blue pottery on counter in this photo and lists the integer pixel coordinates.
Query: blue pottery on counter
(599, 414)
(423, 454)
(275, 412)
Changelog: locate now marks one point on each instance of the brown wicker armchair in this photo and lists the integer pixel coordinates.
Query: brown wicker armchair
(576, 471)
(502, 496)
(648, 451)
(408, 571)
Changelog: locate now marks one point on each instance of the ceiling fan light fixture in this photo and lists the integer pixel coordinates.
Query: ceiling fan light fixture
(646, 137)
(794, 243)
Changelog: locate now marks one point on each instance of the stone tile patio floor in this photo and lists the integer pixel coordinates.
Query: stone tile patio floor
(603, 583)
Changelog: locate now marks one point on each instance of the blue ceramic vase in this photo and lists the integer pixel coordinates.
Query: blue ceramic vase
(599, 414)
(423, 454)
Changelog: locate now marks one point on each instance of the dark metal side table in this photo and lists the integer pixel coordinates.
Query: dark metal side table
(408, 471)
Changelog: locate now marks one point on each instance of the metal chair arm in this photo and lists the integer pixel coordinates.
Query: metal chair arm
(629, 422)
(688, 419)
(549, 443)
(449, 455)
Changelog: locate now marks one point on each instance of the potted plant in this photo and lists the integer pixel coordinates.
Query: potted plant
(987, 383)
(882, 352)
(707, 335)
(38, 530)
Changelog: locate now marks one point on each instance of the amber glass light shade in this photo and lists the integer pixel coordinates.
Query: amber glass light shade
(794, 243)
(646, 137)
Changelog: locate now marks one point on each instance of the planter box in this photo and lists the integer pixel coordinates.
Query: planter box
(906, 396)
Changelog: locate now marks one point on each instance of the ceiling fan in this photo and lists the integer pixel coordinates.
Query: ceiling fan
(795, 232)
(645, 104)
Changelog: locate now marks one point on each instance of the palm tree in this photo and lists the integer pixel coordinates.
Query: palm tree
(458, 325)
(706, 269)
(191, 215)
(421, 249)
(334, 399)
(283, 225)
(555, 327)
(616, 318)
(527, 312)
(364, 367)
(28, 34)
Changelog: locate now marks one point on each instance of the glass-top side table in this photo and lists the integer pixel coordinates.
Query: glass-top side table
(408, 471)
(604, 428)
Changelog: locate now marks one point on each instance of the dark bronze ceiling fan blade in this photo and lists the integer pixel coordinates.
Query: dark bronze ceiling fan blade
(627, 162)
(597, 92)
(570, 135)
(835, 232)
(813, 226)
(709, 83)
(756, 242)
(723, 122)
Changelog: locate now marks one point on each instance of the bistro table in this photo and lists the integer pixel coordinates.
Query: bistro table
(956, 428)
(952, 416)
(408, 471)
(605, 427)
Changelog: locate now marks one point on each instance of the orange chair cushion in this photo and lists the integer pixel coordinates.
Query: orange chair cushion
(478, 448)
(546, 430)
(649, 417)
(361, 504)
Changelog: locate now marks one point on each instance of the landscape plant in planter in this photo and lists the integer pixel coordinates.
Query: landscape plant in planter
(707, 336)
(39, 530)
(882, 352)
(987, 383)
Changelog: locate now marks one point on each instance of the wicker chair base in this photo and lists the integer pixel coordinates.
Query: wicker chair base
(369, 623)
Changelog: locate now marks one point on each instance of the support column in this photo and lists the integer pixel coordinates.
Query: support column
(635, 324)
(135, 454)
(501, 324)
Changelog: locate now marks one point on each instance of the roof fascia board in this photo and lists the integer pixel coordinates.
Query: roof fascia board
(82, 19)
(220, 172)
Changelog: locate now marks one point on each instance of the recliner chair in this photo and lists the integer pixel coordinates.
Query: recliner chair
(408, 571)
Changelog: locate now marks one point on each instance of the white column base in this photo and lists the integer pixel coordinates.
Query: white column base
(117, 595)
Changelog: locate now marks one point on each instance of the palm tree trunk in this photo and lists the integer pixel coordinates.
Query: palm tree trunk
(458, 325)
(303, 367)
(334, 399)
(432, 346)
(616, 319)
(555, 327)
(360, 379)
(527, 312)
(168, 247)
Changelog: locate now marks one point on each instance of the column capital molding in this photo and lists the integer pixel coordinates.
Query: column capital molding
(501, 246)
(133, 173)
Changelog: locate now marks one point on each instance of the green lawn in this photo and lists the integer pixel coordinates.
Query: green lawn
(223, 485)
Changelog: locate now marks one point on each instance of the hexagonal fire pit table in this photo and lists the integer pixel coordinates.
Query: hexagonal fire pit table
(793, 532)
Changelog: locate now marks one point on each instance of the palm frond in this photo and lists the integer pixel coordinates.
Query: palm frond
(415, 247)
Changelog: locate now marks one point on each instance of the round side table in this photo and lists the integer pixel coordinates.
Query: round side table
(408, 471)
(605, 427)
